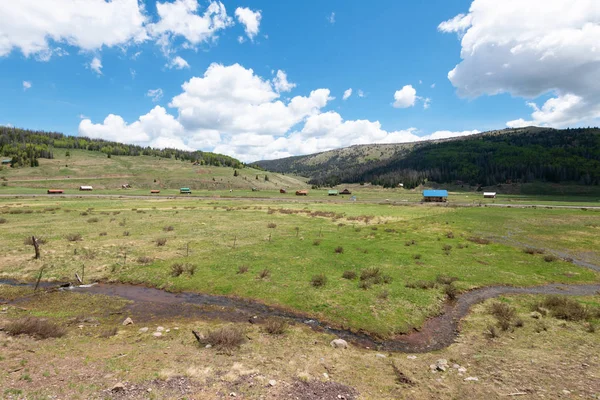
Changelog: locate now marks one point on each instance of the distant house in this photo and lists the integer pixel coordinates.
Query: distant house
(55, 191)
(155, 191)
(345, 191)
(86, 188)
(302, 193)
(332, 193)
(435, 196)
(6, 161)
(489, 195)
(185, 190)
(282, 191)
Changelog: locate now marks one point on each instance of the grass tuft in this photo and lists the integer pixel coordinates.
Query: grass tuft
(478, 240)
(351, 275)
(161, 241)
(339, 250)
(36, 327)
(74, 237)
(226, 338)
(319, 280)
(275, 326)
(264, 274)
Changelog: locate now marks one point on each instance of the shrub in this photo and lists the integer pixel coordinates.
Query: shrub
(502, 311)
(383, 295)
(349, 275)
(450, 291)
(339, 250)
(318, 280)
(74, 237)
(126, 233)
(265, 273)
(549, 258)
(386, 279)
(370, 273)
(417, 256)
(275, 326)
(478, 240)
(102, 234)
(450, 235)
(540, 326)
(177, 269)
(460, 246)
(28, 241)
(564, 308)
(110, 332)
(491, 332)
(316, 242)
(36, 327)
(365, 285)
(226, 338)
(161, 241)
(446, 247)
(92, 220)
(144, 260)
(168, 228)
(190, 269)
(445, 279)
(242, 269)
(271, 225)
(421, 285)
(519, 323)
(3, 220)
(530, 250)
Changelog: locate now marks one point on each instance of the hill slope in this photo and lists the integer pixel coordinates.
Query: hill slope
(517, 155)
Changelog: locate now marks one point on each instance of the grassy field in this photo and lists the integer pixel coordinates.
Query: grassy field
(272, 251)
(545, 357)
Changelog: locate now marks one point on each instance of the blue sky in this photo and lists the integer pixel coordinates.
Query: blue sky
(374, 48)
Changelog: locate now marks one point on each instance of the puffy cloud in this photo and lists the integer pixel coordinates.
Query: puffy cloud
(96, 65)
(177, 63)
(155, 94)
(405, 97)
(510, 47)
(281, 83)
(250, 19)
(331, 18)
(347, 94)
(32, 25)
(426, 103)
(26, 85)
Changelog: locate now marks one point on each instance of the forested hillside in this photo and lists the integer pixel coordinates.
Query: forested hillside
(522, 155)
(24, 147)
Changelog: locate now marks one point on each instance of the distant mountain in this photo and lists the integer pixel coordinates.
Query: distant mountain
(509, 155)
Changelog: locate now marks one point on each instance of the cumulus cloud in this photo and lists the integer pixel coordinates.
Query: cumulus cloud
(232, 110)
(405, 97)
(347, 94)
(281, 83)
(96, 65)
(250, 19)
(155, 94)
(26, 85)
(511, 47)
(361, 93)
(177, 63)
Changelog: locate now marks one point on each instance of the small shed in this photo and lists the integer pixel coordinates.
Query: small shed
(345, 191)
(440, 196)
(6, 161)
(282, 191)
(332, 193)
(185, 190)
(489, 195)
(155, 191)
(55, 191)
(86, 188)
(301, 192)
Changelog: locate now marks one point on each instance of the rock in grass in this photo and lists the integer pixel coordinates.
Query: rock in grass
(339, 344)
(128, 321)
(119, 387)
(144, 329)
(157, 334)
(471, 379)
(535, 315)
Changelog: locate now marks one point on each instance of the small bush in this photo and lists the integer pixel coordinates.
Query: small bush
(177, 269)
(271, 225)
(3, 221)
(450, 235)
(316, 242)
(562, 307)
(74, 237)
(532, 251)
(491, 332)
(84, 214)
(518, 323)
(451, 291)
(36, 327)
(92, 220)
(339, 250)
(421, 285)
(540, 326)
(478, 240)
(242, 269)
(383, 295)
(445, 279)
(351, 275)
(190, 269)
(264, 274)
(502, 311)
(28, 241)
(460, 246)
(161, 241)
(446, 247)
(370, 273)
(144, 260)
(550, 258)
(386, 279)
(168, 228)
(110, 332)
(102, 234)
(275, 326)
(365, 285)
(126, 233)
(417, 256)
(226, 338)
(318, 280)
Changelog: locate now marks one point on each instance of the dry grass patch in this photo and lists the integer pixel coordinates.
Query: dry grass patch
(74, 237)
(226, 338)
(161, 242)
(275, 326)
(319, 280)
(36, 327)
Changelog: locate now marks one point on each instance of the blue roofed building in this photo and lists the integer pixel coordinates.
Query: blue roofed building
(435, 195)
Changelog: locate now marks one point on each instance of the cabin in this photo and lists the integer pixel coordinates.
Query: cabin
(55, 191)
(489, 195)
(301, 192)
(439, 196)
(86, 188)
(6, 161)
(332, 193)
(185, 191)
(155, 191)
(282, 191)
(345, 191)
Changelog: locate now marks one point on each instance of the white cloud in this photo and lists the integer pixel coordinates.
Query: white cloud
(426, 103)
(241, 39)
(81, 116)
(281, 83)
(177, 63)
(405, 97)
(250, 19)
(347, 94)
(361, 93)
(529, 49)
(432, 86)
(155, 94)
(132, 73)
(26, 85)
(33, 26)
(96, 65)
(331, 18)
